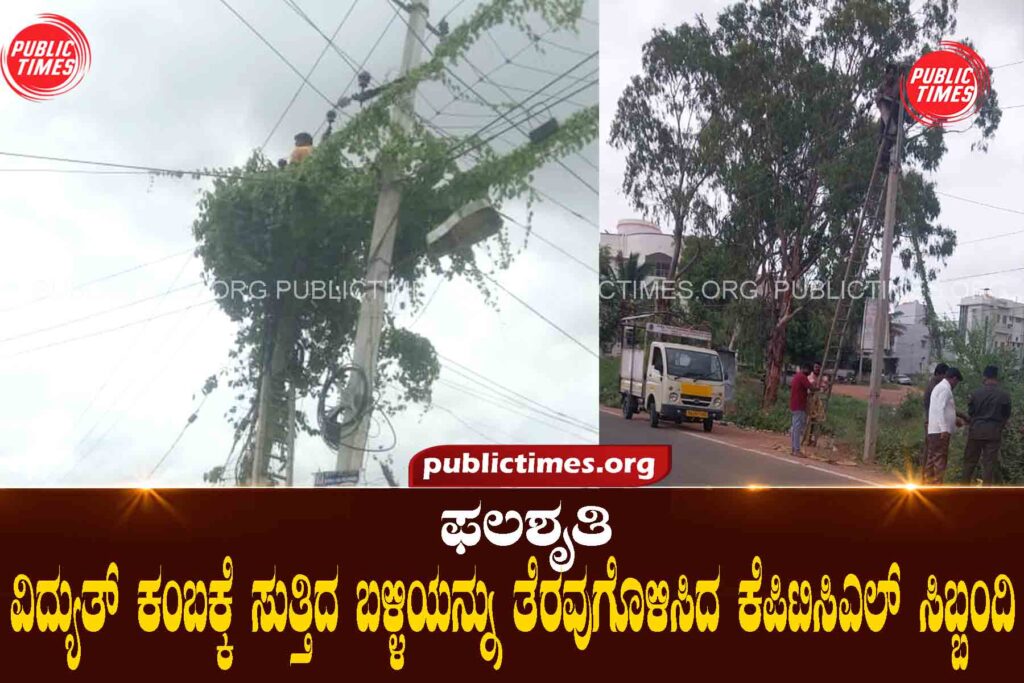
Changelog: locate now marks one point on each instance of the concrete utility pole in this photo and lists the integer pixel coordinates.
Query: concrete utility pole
(378, 269)
(882, 312)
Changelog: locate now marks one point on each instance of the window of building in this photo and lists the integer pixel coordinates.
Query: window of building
(660, 264)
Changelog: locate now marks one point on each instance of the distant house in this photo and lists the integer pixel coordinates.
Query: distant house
(635, 236)
(1003, 317)
(912, 347)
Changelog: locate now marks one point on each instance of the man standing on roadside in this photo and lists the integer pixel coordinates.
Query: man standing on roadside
(799, 388)
(937, 376)
(941, 426)
(989, 410)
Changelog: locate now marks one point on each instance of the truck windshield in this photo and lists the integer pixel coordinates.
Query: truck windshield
(693, 365)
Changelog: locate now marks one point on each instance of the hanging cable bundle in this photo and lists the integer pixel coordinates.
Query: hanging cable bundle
(336, 422)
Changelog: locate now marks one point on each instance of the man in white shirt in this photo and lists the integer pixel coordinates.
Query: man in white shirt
(942, 424)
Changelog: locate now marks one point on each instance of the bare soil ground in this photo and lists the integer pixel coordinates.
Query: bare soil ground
(891, 396)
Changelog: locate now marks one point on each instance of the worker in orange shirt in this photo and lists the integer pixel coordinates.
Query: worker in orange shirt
(303, 148)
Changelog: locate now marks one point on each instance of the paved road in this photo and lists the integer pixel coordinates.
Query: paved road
(700, 459)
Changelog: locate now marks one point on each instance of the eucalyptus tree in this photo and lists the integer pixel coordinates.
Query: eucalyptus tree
(782, 95)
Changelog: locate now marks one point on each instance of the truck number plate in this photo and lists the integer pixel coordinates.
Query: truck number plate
(697, 413)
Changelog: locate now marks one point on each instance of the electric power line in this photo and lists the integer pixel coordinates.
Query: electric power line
(188, 423)
(426, 305)
(979, 203)
(71, 171)
(528, 404)
(462, 389)
(970, 277)
(494, 383)
(537, 313)
(106, 331)
(991, 237)
(351, 63)
(298, 91)
(484, 101)
(102, 278)
(277, 52)
(502, 402)
(463, 422)
(362, 66)
(179, 173)
(150, 381)
(97, 314)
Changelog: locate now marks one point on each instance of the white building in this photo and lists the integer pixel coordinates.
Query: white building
(1003, 317)
(912, 348)
(635, 236)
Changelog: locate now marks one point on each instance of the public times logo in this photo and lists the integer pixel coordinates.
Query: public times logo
(46, 59)
(946, 85)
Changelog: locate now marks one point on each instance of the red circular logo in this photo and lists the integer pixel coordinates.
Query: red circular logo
(945, 86)
(46, 59)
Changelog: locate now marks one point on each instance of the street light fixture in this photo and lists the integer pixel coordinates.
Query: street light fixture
(473, 223)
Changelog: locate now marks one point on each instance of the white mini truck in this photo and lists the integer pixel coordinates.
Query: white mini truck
(669, 379)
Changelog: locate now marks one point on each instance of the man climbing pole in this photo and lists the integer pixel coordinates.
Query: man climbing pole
(887, 98)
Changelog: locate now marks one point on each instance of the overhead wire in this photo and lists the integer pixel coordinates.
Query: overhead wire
(106, 331)
(494, 383)
(277, 52)
(454, 415)
(73, 321)
(483, 100)
(468, 391)
(522, 302)
(188, 423)
(309, 74)
(93, 281)
(159, 369)
(515, 407)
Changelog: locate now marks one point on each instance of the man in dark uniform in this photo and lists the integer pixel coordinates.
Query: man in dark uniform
(937, 376)
(989, 410)
(887, 98)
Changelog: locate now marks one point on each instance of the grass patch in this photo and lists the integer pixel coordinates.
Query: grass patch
(901, 428)
(608, 372)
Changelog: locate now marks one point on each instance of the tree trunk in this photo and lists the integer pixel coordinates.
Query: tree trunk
(677, 248)
(735, 336)
(773, 365)
(776, 352)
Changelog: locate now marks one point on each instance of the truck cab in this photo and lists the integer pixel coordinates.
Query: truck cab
(672, 381)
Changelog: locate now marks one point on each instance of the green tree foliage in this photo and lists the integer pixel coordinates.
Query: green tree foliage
(779, 113)
(973, 353)
(312, 221)
(621, 278)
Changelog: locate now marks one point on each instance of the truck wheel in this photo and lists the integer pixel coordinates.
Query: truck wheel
(652, 410)
(709, 424)
(627, 407)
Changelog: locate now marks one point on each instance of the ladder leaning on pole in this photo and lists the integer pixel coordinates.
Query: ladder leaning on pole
(866, 230)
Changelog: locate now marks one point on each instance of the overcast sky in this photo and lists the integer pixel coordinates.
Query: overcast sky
(997, 29)
(186, 85)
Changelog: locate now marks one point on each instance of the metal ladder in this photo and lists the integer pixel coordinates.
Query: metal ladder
(281, 458)
(866, 230)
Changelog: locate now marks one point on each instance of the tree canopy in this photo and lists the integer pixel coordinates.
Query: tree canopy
(779, 136)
